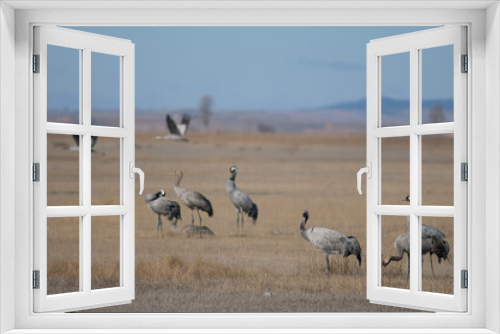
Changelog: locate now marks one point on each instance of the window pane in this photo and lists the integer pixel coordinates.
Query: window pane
(106, 171)
(105, 252)
(63, 84)
(395, 92)
(437, 170)
(437, 84)
(395, 170)
(63, 255)
(63, 165)
(437, 254)
(105, 89)
(395, 248)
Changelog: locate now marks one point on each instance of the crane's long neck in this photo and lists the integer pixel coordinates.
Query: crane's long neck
(303, 224)
(177, 186)
(231, 184)
(177, 182)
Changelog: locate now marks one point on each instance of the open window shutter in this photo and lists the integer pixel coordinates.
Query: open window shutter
(84, 297)
(413, 295)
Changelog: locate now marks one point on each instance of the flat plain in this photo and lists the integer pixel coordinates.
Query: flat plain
(271, 268)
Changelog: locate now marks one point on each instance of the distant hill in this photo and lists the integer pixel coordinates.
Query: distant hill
(388, 104)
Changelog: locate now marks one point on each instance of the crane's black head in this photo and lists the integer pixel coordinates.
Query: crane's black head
(407, 198)
(305, 214)
(161, 192)
(233, 169)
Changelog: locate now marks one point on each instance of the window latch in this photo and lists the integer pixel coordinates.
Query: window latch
(139, 171)
(368, 171)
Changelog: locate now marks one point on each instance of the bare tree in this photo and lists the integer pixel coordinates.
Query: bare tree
(206, 102)
(436, 114)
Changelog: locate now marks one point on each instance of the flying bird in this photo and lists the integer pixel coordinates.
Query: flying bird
(177, 131)
(163, 206)
(330, 241)
(241, 201)
(192, 199)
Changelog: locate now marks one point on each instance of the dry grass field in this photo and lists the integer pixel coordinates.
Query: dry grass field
(269, 269)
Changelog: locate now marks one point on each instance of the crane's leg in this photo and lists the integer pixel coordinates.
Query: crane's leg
(242, 229)
(237, 221)
(432, 269)
(160, 224)
(199, 216)
(327, 265)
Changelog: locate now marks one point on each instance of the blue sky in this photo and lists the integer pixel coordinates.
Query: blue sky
(244, 68)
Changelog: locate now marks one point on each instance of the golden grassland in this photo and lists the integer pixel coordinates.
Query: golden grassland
(270, 268)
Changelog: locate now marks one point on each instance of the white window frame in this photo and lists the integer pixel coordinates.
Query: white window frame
(413, 44)
(85, 44)
(483, 20)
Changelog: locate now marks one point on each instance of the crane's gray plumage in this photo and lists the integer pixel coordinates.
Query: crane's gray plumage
(241, 201)
(428, 232)
(431, 245)
(192, 199)
(163, 206)
(191, 230)
(330, 241)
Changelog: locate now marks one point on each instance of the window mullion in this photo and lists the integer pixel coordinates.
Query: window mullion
(414, 168)
(85, 171)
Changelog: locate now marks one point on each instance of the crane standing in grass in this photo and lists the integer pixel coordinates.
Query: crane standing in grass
(330, 241)
(241, 201)
(192, 199)
(431, 244)
(162, 206)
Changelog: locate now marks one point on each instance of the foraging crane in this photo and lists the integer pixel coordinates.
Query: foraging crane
(427, 232)
(330, 241)
(162, 206)
(177, 131)
(241, 201)
(192, 199)
(431, 244)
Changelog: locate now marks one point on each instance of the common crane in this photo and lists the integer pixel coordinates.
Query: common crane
(430, 244)
(427, 232)
(330, 241)
(162, 206)
(192, 199)
(177, 131)
(241, 201)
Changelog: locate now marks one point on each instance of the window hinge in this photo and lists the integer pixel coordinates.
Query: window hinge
(464, 171)
(465, 64)
(36, 172)
(36, 279)
(36, 63)
(465, 279)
